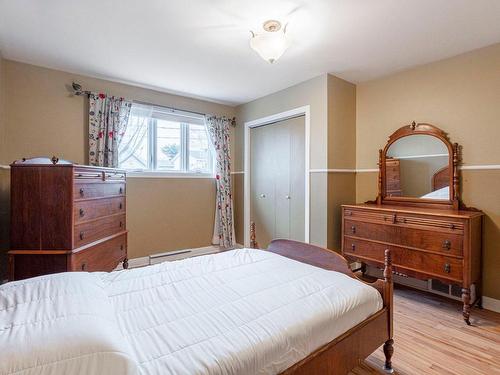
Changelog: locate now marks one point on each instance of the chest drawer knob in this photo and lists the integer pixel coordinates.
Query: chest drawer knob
(82, 212)
(121, 247)
(83, 266)
(121, 190)
(447, 268)
(120, 206)
(353, 247)
(81, 235)
(82, 192)
(353, 229)
(121, 224)
(447, 244)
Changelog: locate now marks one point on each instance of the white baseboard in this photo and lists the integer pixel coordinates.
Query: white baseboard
(491, 304)
(170, 256)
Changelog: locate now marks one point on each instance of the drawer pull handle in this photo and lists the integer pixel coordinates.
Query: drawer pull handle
(121, 224)
(394, 219)
(447, 268)
(353, 247)
(452, 226)
(84, 266)
(81, 235)
(82, 212)
(121, 247)
(353, 229)
(447, 244)
(348, 213)
(121, 190)
(81, 192)
(120, 206)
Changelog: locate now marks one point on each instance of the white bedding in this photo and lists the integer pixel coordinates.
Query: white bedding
(443, 193)
(239, 312)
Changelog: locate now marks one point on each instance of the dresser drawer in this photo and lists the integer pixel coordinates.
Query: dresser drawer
(92, 209)
(427, 222)
(114, 176)
(94, 230)
(98, 190)
(414, 260)
(104, 256)
(446, 243)
(87, 174)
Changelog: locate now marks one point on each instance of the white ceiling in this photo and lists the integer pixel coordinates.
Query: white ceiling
(201, 47)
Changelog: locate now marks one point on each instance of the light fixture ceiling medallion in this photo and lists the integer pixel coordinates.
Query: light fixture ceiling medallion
(272, 43)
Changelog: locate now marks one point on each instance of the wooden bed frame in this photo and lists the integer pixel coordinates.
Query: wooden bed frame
(346, 351)
(441, 178)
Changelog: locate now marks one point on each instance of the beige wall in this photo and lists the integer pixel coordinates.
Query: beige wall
(341, 153)
(4, 178)
(332, 104)
(461, 95)
(42, 118)
(314, 94)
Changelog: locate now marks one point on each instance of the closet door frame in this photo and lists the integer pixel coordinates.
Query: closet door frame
(271, 120)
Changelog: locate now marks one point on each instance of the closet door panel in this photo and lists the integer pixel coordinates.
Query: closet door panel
(297, 178)
(262, 164)
(282, 178)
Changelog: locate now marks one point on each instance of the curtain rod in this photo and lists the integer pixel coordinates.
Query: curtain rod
(77, 90)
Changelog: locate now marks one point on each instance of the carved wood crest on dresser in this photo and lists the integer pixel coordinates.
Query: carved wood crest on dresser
(431, 233)
(66, 217)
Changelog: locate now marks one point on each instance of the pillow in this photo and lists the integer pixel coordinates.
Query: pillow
(61, 324)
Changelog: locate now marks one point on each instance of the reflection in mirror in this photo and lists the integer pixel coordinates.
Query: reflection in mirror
(417, 166)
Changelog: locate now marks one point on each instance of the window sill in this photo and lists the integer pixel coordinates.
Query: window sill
(155, 174)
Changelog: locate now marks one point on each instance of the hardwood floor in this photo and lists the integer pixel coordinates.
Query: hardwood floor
(430, 337)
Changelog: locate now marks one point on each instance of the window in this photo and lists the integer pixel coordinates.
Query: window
(163, 140)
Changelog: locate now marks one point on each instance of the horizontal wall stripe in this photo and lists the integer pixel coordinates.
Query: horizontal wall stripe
(421, 156)
(333, 170)
(479, 167)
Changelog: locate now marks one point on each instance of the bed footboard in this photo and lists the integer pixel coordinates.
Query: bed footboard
(345, 352)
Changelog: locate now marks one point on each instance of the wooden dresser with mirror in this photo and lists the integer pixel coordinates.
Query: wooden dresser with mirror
(66, 217)
(431, 234)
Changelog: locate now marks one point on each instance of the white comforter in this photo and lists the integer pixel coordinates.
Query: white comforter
(239, 312)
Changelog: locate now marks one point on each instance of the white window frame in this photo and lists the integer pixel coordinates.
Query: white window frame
(152, 171)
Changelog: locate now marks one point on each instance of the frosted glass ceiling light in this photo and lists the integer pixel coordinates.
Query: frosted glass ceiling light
(272, 43)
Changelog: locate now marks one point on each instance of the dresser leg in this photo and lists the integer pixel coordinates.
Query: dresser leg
(125, 263)
(363, 269)
(388, 352)
(466, 308)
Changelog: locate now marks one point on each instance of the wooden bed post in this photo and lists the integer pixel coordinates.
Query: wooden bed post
(389, 303)
(253, 242)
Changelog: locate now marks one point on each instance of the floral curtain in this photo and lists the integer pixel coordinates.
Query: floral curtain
(218, 129)
(108, 117)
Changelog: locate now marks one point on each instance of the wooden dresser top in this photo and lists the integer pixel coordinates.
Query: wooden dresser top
(416, 210)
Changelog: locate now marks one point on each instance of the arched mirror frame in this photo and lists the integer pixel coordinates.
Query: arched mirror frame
(453, 159)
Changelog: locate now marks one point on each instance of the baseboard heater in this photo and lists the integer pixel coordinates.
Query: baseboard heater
(170, 253)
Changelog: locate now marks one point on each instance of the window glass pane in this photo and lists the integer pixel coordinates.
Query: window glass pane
(200, 159)
(133, 149)
(168, 146)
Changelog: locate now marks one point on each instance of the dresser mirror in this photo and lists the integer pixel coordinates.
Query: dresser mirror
(419, 166)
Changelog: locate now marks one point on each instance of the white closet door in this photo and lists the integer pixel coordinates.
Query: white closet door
(297, 178)
(262, 183)
(277, 183)
(281, 156)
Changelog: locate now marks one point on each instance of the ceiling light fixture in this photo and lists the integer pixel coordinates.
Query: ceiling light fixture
(272, 43)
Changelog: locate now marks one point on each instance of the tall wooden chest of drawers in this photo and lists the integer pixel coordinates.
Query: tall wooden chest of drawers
(425, 243)
(66, 217)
